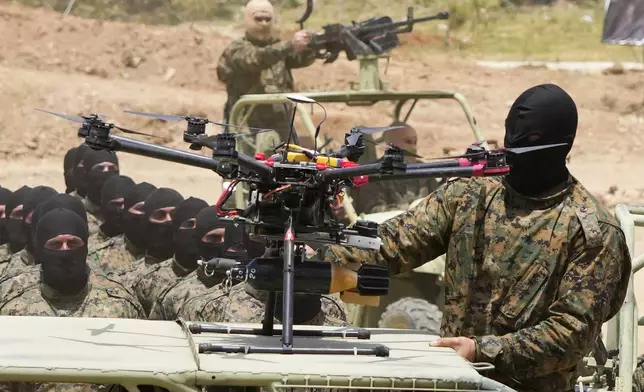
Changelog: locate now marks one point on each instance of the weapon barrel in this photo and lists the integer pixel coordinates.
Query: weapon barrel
(408, 22)
(150, 150)
(314, 277)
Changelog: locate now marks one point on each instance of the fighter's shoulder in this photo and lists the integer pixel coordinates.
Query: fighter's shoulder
(593, 219)
(458, 190)
(106, 290)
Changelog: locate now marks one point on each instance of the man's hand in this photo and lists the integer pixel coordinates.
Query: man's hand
(339, 212)
(301, 40)
(465, 347)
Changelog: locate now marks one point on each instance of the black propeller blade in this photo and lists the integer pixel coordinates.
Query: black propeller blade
(94, 118)
(174, 118)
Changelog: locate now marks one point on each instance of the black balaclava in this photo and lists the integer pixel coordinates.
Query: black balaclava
(544, 114)
(39, 194)
(5, 195)
(15, 227)
(186, 246)
(159, 235)
(79, 172)
(207, 221)
(65, 271)
(95, 179)
(134, 226)
(62, 200)
(68, 170)
(115, 187)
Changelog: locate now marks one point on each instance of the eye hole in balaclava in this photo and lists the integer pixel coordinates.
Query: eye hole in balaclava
(186, 247)
(99, 166)
(79, 169)
(68, 170)
(159, 208)
(61, 242)
(14, 219)
(5, 195)
(113, 203)
(211, 233)
(544, 114)
(62, 200)
(38, 195)
(134, 223)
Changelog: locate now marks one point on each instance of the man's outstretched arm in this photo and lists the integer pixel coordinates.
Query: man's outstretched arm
(410, 239)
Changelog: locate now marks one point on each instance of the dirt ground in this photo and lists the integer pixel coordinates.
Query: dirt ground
(80, 66)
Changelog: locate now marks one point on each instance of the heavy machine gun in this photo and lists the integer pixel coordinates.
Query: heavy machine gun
(289, 206)
(374, 36)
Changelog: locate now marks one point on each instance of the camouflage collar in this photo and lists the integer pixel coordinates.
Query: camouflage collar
(151, 260)
(64, 300)
(546, 200)
(26, 257)
(93, 209)
(258, 42)
(133, 249)
(178, 269)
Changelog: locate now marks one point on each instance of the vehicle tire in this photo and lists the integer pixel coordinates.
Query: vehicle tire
(412, 313)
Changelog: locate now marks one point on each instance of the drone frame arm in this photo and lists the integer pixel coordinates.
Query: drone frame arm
(150, 150)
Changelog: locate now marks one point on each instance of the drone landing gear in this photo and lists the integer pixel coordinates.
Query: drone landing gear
(268, 329)
(287, 332)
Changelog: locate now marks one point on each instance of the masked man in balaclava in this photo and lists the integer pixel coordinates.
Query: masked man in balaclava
(213, 238)
(5, 195)
(260, 63)
(112, 204)
(79, 171)
(534, 264)
(14, 220)
(31, 274)
(67, 286)
(99, 166)
(120, 252)
(151, 279)
(156, 230)
(22, 260)
(68, 169)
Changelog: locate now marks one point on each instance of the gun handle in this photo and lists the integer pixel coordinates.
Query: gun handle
(354, 298)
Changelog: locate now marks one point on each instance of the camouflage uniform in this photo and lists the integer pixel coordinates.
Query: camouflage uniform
(250, 66)
(239, 306)
(16, 264)
(384, 196)
(532, 280)
(5, 253)
(174, 297)
(113, 254)
(94, 218)
(148, 281)
(101, 298)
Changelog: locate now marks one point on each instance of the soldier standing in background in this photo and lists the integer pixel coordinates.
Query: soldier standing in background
(260, 63)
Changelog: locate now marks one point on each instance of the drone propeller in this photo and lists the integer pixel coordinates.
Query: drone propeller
(94, 118)
(517, 151)
(174, 118)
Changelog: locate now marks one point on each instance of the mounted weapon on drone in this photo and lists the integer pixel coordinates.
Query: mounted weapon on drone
(292, 193)
(373, 36)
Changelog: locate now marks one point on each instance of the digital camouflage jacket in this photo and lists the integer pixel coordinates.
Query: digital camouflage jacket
(532, 280)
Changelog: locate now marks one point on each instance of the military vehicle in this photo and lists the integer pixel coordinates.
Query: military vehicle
(135, 355)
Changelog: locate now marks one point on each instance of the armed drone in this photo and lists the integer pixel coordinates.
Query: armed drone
(289, 206)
